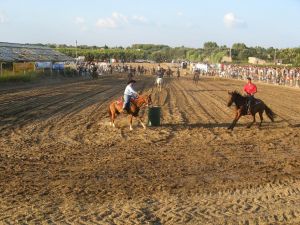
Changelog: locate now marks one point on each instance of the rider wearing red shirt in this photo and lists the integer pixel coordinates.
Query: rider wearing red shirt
(250, 90)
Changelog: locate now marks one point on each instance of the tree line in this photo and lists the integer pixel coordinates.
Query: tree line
(211, 52)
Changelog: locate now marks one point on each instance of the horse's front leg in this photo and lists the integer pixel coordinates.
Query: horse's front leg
(130, 122)
(113, 116)
(141, 121)
(261, 117)
(236, 119)
(232, 124)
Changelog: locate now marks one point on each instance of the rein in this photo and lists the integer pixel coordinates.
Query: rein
(143, 105)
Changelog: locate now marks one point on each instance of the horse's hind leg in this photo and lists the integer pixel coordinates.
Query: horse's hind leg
(254, 120)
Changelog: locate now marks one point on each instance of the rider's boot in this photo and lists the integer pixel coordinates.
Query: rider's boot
(249, 111)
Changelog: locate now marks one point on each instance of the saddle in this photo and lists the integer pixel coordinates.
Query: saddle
(254, 102)
(120, 101)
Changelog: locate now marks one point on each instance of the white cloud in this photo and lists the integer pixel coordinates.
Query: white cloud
(179, 13)
(140, 19)
(3, 17)
(114, 21)
(106, 23)
(231, 21)
(117, 20)
(79, 20)
(119, 17)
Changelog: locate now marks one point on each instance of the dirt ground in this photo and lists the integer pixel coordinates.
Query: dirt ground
(61, 162)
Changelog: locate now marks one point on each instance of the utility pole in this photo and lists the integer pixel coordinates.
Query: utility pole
(76, 49)
(275, 57)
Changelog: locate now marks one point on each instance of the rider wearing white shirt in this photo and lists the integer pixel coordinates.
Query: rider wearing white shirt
(128, 94)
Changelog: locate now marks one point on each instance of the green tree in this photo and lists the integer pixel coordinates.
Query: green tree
(239, 46)
(210, 45)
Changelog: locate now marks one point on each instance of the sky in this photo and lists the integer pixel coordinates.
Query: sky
(190, 23)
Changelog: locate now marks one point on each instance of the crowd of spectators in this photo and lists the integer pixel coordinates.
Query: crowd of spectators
(268, 74)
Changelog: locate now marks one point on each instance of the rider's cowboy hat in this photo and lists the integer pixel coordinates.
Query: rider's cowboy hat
(131, 81)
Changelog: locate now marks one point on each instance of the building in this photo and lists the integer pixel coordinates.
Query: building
(24, 56)
(257, 61)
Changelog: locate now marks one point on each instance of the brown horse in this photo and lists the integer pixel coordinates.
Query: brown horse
(116, 108)
(258, 106)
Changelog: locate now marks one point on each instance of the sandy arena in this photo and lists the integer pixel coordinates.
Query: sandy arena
(61, 162)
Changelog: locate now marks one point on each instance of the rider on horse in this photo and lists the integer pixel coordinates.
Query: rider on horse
(128, 94)
(160, 73)
(250, 90)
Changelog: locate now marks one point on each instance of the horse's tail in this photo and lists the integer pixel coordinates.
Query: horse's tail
(270, 113)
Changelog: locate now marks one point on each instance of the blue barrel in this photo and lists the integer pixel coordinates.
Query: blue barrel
(154, 116)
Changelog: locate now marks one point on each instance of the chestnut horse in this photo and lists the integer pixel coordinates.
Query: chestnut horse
(258, 106)
(116, 108)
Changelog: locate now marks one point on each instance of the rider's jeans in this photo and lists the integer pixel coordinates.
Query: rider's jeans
(250, 100)
(127, 101)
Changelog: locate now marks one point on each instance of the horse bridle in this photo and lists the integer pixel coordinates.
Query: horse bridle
(146, 105)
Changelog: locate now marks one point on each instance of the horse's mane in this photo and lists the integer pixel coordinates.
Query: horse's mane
(235, 92)
(144, 95)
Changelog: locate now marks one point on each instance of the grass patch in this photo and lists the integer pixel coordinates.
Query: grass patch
(18, 77)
